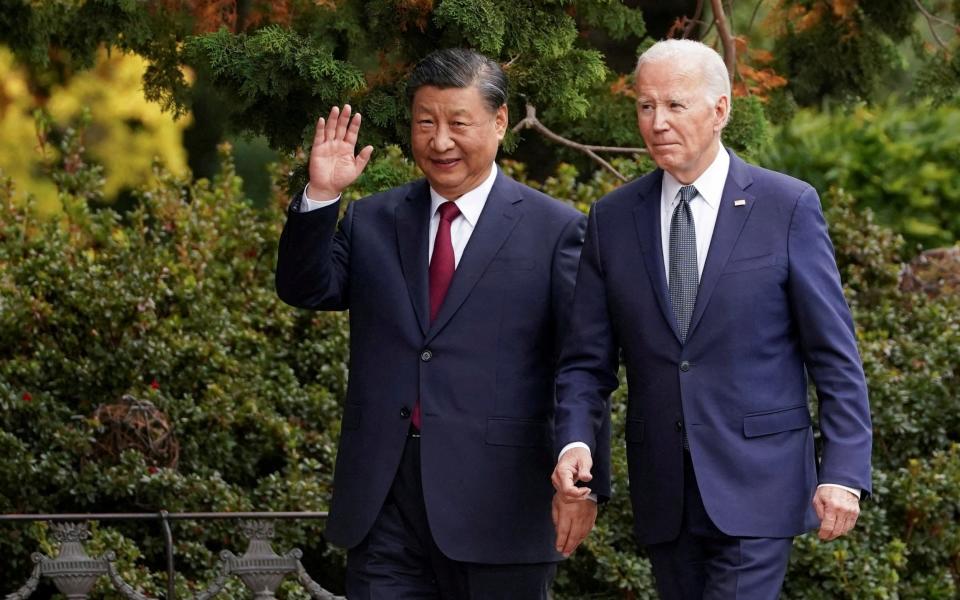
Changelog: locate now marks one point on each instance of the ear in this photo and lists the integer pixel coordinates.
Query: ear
(721, 111)
(500, 121)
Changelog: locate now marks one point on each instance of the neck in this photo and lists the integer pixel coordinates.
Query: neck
(688, 177)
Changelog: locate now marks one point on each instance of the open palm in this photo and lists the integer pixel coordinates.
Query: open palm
(333, 165)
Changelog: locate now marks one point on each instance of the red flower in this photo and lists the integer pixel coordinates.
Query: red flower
(27, 397)
(154, 385)
(152, 470)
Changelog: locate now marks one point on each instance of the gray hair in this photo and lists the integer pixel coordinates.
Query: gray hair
(689, 54)
(460, 68)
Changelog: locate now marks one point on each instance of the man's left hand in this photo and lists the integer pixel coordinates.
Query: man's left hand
(838, 510)
(573, 520)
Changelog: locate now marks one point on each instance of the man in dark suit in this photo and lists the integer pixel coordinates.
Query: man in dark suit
(717, 282)
(459, 289)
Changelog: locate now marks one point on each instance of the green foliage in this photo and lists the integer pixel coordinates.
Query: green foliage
(861, 40)
(482, 23)
(748, 131)
(58, 37)
(173, 304)
(275, 72)
(285, 79)
(611, 120)
(899, 161)
(619, 21)
(938, 77)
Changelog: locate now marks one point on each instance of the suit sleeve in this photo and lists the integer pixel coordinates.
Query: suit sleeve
(313, 262)
(566, 258)
(829, 348)
(587, 373)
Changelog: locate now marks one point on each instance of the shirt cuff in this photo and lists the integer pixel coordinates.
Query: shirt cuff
(593, 495)
(308, 205)
(572, 445)
(853, 491)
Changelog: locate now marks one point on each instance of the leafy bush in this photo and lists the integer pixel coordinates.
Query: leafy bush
(899, 161)
(173, 304)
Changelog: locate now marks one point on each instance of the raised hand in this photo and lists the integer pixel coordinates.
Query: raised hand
(333, 165)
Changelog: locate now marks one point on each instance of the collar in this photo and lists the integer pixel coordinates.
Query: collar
(709, 185)
(471, 203)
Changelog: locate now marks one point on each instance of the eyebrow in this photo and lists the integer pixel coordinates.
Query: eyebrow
(668, 100)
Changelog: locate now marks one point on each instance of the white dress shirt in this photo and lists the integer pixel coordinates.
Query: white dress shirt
(461, 228)
(704, 208)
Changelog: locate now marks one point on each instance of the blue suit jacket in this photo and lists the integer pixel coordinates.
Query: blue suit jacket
(484, 370)
(769, 311)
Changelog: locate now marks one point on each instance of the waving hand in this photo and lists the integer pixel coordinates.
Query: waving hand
(333, 165)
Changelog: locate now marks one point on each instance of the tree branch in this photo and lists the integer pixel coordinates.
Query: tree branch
(691, 22)
(753, 17)
(726, 38)
(930, 19)
(532, 122)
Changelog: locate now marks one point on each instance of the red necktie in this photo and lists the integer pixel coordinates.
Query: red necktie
(442, 265)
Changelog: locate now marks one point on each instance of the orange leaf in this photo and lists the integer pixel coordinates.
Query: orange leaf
(844, 9)
(762, 56)
(740, 43)
(622, 87)
(211, 15)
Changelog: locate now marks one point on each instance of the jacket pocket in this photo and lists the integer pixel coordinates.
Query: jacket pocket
(634, 431)
(511, 263)
(777, 421)
(750, 264)
(351, 416)
(518, 432)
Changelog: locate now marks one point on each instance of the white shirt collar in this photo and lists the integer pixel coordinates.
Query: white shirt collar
(709, 185)
(471, 203)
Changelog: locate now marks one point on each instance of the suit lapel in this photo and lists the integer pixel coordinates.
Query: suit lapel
(647, 219)
(730, 222)
(413, 222)
(499, 216)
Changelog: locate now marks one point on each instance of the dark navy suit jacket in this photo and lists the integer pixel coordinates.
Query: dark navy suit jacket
(484, 370)
(770, 310)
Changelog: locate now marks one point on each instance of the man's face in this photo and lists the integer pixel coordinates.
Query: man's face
(455, 138)
(680, 128)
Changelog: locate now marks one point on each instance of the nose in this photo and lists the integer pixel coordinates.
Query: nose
(441, 140)
(660, 122)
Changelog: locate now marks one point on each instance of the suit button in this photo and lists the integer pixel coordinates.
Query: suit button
(426, 355)
(684, 366)
(678, 426)
(404, 413)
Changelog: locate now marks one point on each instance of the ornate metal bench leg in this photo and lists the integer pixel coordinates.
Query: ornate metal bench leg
(119, 584)
(218, 584)
(312, 587)
(31, 585)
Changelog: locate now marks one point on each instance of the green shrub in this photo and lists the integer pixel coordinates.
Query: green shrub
(172, 303)
(899, 161)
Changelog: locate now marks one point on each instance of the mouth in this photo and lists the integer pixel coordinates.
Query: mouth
(445, 163)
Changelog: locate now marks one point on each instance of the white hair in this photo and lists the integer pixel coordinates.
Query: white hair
(688, 54)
